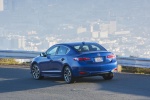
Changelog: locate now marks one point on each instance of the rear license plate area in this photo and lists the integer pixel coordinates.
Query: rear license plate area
(98, 59)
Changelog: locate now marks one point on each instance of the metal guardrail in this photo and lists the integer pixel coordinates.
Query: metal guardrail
(124, 61)
(134, 62)
(18, 54)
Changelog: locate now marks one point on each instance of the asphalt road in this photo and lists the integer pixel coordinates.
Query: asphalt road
(17, 84)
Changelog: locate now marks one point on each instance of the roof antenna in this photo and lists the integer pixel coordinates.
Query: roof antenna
(83, 43)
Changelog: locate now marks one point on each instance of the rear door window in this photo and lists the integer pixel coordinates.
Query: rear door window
(62, 50)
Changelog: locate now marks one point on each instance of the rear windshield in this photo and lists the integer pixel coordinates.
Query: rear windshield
(88, 47)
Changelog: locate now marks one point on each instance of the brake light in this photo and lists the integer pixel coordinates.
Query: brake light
(112, 56)
(81, 59)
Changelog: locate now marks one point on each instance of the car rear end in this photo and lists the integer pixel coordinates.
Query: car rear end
(91, 63)
(95, 63)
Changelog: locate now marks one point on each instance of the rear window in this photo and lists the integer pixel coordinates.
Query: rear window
(88, 47)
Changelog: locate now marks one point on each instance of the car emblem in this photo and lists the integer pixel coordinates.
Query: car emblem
(98, 54)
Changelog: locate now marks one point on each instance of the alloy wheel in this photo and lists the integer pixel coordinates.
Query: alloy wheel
(68, 75)
(36, 72)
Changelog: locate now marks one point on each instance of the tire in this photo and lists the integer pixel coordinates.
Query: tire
(108, 76)
(35, 71)
(67, 75)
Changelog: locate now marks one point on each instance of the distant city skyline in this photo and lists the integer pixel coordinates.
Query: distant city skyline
(122, 26)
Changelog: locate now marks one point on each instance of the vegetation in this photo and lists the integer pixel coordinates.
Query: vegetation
(136, 70)
(11, 61)
(26, 63)
(8, 61)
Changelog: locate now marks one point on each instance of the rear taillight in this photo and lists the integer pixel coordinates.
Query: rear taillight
(81, 59)
(112, 56)
(115, 70)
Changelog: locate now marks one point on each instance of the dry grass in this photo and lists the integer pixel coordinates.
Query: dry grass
(136, 70)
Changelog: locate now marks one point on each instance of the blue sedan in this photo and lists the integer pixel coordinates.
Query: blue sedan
(74, 60)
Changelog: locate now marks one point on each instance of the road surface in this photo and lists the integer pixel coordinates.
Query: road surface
(16, 83)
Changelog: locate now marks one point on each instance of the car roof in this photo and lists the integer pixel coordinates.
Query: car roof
(75, 43)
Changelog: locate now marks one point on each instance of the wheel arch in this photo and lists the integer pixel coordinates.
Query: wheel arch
(33, 64)
(65, 66)
(73, 73)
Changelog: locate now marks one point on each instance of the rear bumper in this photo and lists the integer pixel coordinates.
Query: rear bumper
(93, 70)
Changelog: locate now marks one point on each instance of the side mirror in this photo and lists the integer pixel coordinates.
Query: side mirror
(43, 54)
